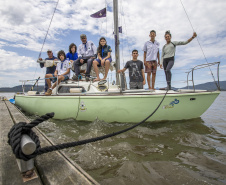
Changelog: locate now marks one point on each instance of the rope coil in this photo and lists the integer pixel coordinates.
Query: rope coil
(21, 128)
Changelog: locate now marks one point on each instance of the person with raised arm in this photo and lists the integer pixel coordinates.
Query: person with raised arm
(168, 54)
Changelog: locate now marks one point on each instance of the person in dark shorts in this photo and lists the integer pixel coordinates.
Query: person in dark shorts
(62, 72)
(136, 72)
(151, 54)
(49, 70)
(103, 58)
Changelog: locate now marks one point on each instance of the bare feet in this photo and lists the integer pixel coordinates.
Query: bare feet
(152, 89)
(97, 79)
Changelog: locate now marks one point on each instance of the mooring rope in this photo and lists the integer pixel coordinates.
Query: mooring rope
(16, 132)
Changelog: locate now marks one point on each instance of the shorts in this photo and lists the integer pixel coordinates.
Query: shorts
(152, 66)
(136, 85)
(98, 60)
(55, 78)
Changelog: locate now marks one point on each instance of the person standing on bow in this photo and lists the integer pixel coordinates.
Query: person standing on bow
(49, 70)
(86, 54)
(103, 58)
(62, 72)
(72, 55)
(136, 72)
(168, 53)
(151, 54)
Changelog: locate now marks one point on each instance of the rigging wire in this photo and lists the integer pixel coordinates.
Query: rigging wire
(112, 31)
(48, 28)
(199, 43)
(47, 34)
(120, 21)
(106, 19)
(126, 34)
(101, 24)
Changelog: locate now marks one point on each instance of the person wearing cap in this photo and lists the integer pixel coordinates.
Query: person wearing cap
(87, 52)
(49, 70)
(151, 54)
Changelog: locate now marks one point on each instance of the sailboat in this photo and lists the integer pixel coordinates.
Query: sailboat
(88, 101)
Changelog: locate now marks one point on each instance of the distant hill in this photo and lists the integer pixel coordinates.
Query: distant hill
(205, 86)
(209, 86)
(19, 88)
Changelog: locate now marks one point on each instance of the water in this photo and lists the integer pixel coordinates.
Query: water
(171, 152)
(8, 95)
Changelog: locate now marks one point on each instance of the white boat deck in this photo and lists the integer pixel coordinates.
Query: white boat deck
(83, 88)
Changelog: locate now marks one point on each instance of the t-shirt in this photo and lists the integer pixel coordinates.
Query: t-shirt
(72, 56)
(151, 50)
(135, 73)
(62, 67)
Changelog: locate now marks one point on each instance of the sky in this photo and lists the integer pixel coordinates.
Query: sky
(24, 25)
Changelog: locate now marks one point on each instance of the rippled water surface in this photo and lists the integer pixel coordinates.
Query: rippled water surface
(172, 152)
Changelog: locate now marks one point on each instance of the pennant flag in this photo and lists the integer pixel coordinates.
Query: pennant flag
(99, 14)
(119, 30)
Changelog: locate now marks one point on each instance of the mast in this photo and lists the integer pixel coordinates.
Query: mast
(116, 34)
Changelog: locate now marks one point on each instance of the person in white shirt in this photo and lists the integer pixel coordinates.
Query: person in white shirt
(62, 71)
(151, 54)
(87, 52)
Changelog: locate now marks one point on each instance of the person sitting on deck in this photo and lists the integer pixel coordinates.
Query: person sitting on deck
(86, 54)
(62, 72)
(49, 70)
(104, 58)
(136, 72)
(72, 55)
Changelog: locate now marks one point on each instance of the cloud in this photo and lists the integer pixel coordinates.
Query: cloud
(24, 25)
(12, 61)
(16, 76)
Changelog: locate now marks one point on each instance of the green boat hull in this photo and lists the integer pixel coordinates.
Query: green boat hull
(120, 108)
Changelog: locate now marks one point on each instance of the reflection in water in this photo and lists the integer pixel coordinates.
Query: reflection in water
(171, 152)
